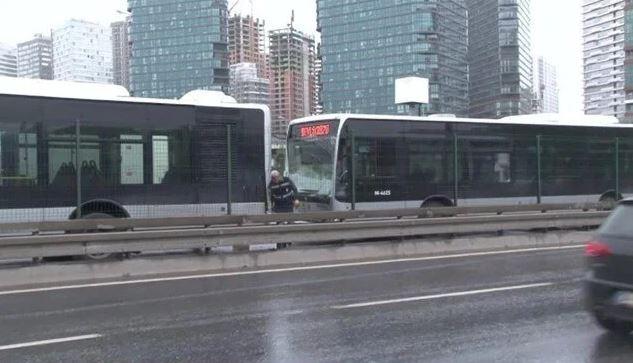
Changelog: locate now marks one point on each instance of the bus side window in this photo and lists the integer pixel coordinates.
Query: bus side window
(562, 159)
(61, 161)
(626, 167)
(28, 157)
(343, 168)
(430, 161)
(376, 158)
(490, 162)
(18, 159)
(131, 159)
(502, 167)
(160, 156)
(524, 161)
(171, 161)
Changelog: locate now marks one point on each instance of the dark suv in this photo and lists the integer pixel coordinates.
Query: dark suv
(609, 282)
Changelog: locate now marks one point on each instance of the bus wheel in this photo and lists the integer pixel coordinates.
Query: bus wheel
(436, 202)
(433, 204)
(608, 200)
(97, 215)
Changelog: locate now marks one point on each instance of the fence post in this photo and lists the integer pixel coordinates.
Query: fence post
(617, 167)
(539, 186)
(78, 166)
(353, 146)
(455, 170)
(229, 170)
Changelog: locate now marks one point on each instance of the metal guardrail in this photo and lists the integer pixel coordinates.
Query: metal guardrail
(132, 235)
(84, 225)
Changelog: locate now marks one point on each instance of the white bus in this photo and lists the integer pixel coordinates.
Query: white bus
(64, 145)
(340, 162)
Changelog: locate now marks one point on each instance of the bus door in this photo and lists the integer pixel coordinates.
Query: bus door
(379, 163)
(429, 162)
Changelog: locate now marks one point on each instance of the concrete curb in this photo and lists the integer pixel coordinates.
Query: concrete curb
(56, 273)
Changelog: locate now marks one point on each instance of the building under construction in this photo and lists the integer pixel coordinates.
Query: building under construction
(318, 79)
(246, 86)
(292, 64)
(247, 41)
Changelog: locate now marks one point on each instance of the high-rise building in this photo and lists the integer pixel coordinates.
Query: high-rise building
(35, 58)
(367, 45)
(246, 86)
(8, 61)
(628, 60)
(247, 43)
(545, 87)
(292, 56)
(603, 57)
(500, 58)
(121, 53)
(82, 52)
(178, 46)
(318, 80)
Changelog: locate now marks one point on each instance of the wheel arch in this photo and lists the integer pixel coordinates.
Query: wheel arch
(443, 200)
(106, 206)
(610, 194)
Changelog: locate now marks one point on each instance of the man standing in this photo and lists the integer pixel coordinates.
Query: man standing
(283, 193)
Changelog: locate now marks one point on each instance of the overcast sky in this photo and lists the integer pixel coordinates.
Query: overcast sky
(557, 28)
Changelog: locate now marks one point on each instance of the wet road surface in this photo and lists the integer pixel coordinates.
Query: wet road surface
(523, 306)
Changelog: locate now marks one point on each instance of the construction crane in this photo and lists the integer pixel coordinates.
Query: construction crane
(234, 5)
(237, 2)
(292, 20)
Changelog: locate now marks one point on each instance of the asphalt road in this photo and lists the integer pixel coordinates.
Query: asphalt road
(484, 308)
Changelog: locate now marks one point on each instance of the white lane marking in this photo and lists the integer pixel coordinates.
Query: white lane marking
(50, 341)
(289, 269)
(441, 296)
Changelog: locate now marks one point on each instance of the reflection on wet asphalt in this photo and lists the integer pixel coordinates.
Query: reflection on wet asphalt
(292, 316)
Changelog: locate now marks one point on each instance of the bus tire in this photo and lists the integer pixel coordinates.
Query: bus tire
(97, 215)
(101, 209)
(608, 199)
(438, 201)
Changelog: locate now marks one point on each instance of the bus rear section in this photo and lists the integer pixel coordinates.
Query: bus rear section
(126, 157)
(311, 153)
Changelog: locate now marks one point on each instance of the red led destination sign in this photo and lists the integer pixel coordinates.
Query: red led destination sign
(315, 130)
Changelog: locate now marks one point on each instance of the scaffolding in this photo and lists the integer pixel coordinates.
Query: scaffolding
(246, 86)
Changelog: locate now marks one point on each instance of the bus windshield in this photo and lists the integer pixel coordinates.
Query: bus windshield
(311, 157)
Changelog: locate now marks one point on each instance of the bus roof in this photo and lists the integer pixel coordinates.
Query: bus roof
(536, 119)
(109, 92)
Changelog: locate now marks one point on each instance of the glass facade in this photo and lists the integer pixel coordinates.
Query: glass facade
(367, 45)
(500, 58)
(178, 46)
(35, 58)
(545, 87)
(121, 53)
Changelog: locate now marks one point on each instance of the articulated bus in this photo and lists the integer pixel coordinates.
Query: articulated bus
(377, 162)
(92, 151)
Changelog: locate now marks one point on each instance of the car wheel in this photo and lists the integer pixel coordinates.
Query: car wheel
(614, 326)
